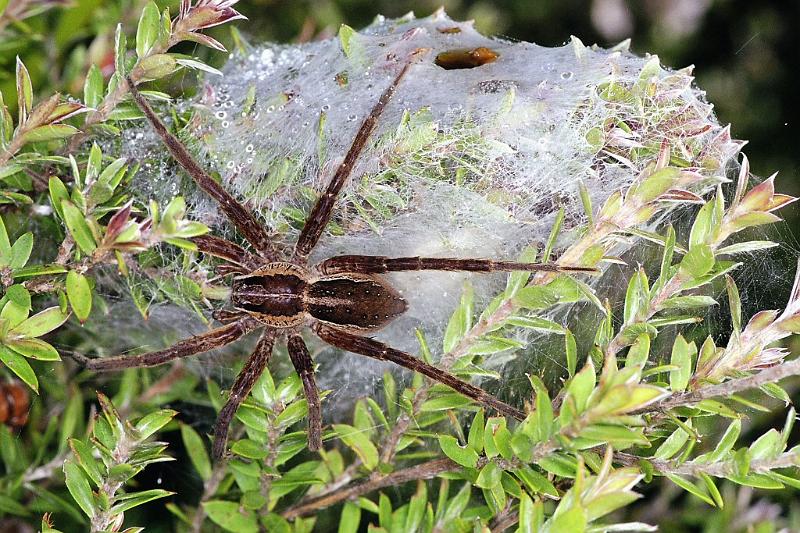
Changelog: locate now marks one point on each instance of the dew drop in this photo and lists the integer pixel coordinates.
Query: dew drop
(221, 114)
(248, 148)
(567, 75)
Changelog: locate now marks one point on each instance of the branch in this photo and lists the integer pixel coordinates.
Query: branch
(719, 469)
(770, 375)
(428, 470)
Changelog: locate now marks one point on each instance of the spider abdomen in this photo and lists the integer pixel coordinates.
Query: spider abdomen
(357, 302)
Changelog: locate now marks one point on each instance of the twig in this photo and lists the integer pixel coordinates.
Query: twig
(770, 375)
(209, 489)
(719, 469)
(427, 470)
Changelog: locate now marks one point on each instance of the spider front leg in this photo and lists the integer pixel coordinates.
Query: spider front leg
(377, 350)
(239, 216)
(301, 359)
(224, 249)
(376, 264)
(321, 212)
(250, 373)
(205, 342)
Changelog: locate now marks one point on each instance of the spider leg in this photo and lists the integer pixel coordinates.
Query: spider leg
(239, 216)
(224, 249)
(377, 350)
(250, 373)
(301, 359)
(321, 212)
(216, 338)
(375, 264)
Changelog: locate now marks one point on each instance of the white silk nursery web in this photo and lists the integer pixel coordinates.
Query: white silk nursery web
(466, 162)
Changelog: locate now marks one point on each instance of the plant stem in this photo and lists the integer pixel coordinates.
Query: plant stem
(770, 375)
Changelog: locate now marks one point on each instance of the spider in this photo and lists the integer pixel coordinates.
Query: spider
(342, 299)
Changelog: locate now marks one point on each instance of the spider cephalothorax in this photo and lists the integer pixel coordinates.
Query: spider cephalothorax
(342, 299)
(282, 295)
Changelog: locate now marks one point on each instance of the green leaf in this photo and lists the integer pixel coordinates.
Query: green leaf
(24, 91)
(250, 449)
(77, 226)
(346, 33)
(5, 244)
(581, 386)
(58, 194)
(489, 476)
(475, 438)
(120, 49)
(39, 270)
(572, 520)
(198, 65)
(359, 443)
(21, 251)
(135, 499)
(349, 518)
(49, 132)
(79, 293)
(12, 506)
(682, 353)
(147, 31)
(17, 364)
(725, 444)
(460, 322)
(698, 261)
(35, 349)
(691, 488)
(196, 449)
(158, 66)
(93, 87)
(79, 488)
(84, 455)
(41, 323)
(672, 444)
(152, 422)
(228, 516)
(463, 455)
(571, 349)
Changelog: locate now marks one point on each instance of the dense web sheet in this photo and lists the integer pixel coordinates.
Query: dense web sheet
(465, 162)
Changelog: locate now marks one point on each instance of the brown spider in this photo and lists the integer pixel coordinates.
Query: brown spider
(342, 299)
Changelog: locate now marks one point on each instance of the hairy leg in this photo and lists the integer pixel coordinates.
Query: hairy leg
(301, 359)
(239, 216)
(376, 264)
(321, 212)
(227, 250)
(216, 338)
(250, 373)
(377, 350)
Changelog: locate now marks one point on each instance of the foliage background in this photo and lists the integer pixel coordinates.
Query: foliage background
(745, 55)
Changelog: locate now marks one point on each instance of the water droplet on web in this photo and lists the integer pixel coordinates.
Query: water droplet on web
(230, 164)
(326, 107)
(270, 109)
(567, 75)
(225, 124)
(221, 114)
(248, 148)
(351, 118)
